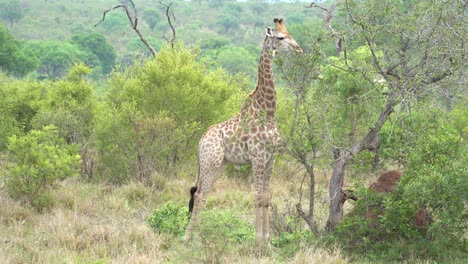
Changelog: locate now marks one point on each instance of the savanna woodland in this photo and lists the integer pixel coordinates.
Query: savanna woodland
(103, 103)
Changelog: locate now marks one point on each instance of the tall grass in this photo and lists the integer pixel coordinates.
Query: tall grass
(99, 223)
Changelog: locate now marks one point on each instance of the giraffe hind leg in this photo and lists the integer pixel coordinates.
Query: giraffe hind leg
(211, 161)
(198, 200)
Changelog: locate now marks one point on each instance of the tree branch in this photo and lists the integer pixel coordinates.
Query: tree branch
(105, 13)
(133, 19)
(170, 14)
(326, 20)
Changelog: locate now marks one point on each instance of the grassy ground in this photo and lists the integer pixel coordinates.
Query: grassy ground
(98, 223)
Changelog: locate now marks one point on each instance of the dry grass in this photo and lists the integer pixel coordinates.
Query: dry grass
(89, 223)
(97, 223)
(318, 255)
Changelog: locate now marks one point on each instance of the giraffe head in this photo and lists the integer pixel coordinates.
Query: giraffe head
(280, 39)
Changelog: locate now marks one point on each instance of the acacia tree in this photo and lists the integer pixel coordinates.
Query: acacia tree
(96, 44)
(13, 59)
(417, 50)
(11, 11)
(55, 57)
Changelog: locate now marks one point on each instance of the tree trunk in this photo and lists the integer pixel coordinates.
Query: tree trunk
(309, 218)
(369, 142)
(336, 187)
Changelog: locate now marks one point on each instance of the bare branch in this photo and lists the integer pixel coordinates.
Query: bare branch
(326, 20)
(133, 19)
(170, 16)
(105, 13)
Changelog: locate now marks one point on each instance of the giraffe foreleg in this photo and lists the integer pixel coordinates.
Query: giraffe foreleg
(258, 168)
(266, 198)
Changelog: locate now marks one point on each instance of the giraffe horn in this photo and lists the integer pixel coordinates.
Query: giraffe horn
(280, 25)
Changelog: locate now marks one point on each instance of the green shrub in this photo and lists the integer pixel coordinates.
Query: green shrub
(216, 224)
(43, 201)
(37, 161)
(155, 112)
(219, 232)
(224, 225)
(289, 243)
(435, 180)
(169, 218)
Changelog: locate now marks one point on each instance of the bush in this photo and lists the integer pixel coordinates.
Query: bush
(289, 243)
(36, 162)
(220, 230)
(156, 111)
(19, 101)
(216, 224)
(169, 218)
(224, 225)
(434, 180)
(68, 105)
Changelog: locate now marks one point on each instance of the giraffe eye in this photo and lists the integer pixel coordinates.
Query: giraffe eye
(280, 38)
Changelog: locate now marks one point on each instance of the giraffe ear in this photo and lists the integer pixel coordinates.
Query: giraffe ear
(269, 31)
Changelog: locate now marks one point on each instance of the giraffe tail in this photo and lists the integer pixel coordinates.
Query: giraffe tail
(192, 199)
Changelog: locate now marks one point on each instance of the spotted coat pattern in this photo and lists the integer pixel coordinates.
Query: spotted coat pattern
(249, 137)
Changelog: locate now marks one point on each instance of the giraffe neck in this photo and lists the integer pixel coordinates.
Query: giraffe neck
(264, 95)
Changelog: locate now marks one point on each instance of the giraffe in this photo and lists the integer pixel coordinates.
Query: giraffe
(249, 137)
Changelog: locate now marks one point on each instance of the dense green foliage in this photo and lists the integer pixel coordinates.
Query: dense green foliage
(196, 22)
(169, 218)
(434, 180)
(13, 58)
(37, 161)
(101, 53)
(156, 110)
(173, 219)
(55, 58)
(11, 11)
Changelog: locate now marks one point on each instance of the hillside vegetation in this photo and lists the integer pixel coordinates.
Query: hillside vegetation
(99, 138)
